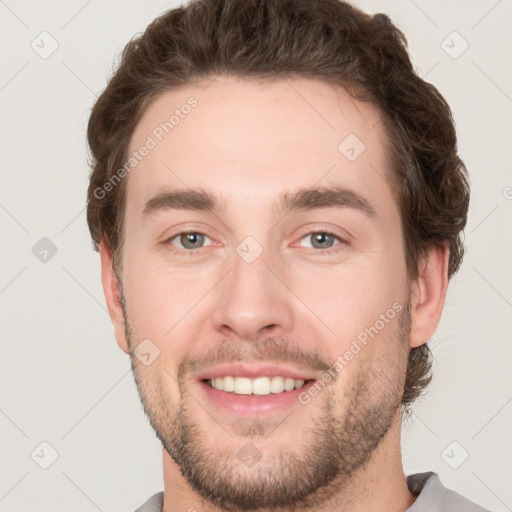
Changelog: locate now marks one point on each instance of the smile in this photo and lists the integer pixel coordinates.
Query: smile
(257, 386)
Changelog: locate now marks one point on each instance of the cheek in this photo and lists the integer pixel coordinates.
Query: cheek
(353, 295)
(166, 304)
(153, 303)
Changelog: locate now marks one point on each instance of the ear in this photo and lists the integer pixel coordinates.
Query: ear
(428, 294)
(112, 296)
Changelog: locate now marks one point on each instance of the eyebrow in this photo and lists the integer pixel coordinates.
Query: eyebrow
(301, 200)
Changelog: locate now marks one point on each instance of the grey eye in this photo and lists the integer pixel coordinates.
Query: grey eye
(321, 240)
(191, 240)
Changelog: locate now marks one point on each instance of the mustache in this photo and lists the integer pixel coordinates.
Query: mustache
(274, 350)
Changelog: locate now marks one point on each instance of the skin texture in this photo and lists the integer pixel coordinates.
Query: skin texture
(248, 142)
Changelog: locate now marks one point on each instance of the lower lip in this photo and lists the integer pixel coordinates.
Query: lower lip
(253, 404)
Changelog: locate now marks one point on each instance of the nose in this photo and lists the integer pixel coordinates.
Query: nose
(253, 301)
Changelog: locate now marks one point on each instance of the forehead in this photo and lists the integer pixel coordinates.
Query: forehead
(242, 138)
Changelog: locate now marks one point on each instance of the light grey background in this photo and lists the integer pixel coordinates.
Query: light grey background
(63, 379)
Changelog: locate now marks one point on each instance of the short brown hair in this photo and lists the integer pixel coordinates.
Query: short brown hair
(323, 39)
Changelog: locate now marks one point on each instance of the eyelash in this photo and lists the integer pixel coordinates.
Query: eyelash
(194, 252)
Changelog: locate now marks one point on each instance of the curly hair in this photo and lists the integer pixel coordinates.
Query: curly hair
(270, 39)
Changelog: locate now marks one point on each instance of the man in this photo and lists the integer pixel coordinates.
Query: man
(278, 202)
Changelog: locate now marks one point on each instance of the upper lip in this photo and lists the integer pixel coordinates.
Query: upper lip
(253, 371)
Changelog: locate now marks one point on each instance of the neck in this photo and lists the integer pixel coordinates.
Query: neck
(379, 485)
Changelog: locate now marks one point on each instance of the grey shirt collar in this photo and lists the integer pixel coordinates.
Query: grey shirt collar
(433, 496)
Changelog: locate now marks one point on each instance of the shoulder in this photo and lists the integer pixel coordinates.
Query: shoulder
(153, 504)
(433, 496)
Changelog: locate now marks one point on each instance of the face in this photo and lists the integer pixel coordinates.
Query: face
(263, 251)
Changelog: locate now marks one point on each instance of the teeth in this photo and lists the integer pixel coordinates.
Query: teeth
(258, 386)
(229, 384)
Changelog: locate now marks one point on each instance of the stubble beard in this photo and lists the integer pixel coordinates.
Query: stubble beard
(307, 478)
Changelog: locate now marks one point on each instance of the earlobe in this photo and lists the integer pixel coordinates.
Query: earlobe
(112, 296)
(428, 295)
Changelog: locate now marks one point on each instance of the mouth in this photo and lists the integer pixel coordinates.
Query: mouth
(251, 390)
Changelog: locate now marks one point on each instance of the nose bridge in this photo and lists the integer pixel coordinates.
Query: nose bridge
(253, 299)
